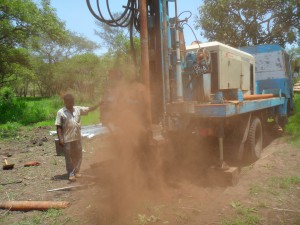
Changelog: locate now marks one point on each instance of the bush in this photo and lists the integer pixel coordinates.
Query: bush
(11, 109)
(27, 110)
(293, 126)
(39, 110)
(6, 94)
(33, 114)
(56, 102)
(16, 112)
(9, 130)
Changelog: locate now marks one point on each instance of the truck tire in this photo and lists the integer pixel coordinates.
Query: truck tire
(255, 139)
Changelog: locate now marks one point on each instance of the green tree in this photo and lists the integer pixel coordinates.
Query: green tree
(295, 60)
(77, 45)
(32, 42)
(120, 51)
(50, 54)
(250, 22)
(117, 39)
(22, 22)
(83, 74)
(72, 44)
(13, 62)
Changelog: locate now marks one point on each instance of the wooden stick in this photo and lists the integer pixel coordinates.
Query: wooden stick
(70, 187)
(287, 210)
(13, 182)
(32, 205)
(88, 176)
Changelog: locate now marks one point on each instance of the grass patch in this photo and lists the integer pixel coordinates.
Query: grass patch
(245, 215)
(242, 210)
(9, 129)
(46, 123)
(293, 128)
(248, 219)
(274, 185)
(295, 140)
(262, 205)
(51, 216)
(38, 112)
(92, 118)
(283, 182)
(256, 189)
(143, 219)
(181, 218)
(41, 109)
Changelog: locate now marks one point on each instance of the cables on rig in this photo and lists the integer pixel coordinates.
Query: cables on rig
(128, 18)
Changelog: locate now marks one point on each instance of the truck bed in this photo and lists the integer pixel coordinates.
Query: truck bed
(227, 109)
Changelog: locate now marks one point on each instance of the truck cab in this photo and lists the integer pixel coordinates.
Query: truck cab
(273, 71)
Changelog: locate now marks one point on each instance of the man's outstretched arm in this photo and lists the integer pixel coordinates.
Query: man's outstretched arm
(92, 108)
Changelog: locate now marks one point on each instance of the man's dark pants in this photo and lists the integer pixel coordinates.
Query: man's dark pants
(73, 157)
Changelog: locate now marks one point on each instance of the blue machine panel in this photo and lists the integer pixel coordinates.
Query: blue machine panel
(261, 49)
(232, 109)
(281, 83)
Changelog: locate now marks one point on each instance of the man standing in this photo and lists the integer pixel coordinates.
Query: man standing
(69, 134)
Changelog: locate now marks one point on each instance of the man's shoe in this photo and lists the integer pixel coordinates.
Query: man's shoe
(72, 178)
(78, 175)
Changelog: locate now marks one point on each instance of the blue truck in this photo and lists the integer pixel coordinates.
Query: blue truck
(232, 94)
(214, 90)
(209, 89)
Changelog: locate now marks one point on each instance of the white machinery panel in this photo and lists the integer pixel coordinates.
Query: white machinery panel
(269, 65)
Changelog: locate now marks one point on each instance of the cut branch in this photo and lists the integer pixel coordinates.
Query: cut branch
(32, 205)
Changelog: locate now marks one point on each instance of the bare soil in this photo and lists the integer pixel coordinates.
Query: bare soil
(268, 191)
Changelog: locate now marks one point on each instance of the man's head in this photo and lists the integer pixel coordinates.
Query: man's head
(69, 101)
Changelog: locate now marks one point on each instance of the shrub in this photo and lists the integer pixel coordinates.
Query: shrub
(9, 130)
(11, 109)
(6, 94)
(33, 114)
(56, 102)
(293, 127)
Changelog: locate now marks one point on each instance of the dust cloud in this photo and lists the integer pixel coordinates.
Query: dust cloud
(128, 164)
(132, 166)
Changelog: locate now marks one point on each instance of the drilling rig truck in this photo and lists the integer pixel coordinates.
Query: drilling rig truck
(208, 89)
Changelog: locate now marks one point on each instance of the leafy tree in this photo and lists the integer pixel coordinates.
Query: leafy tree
(50, 54)
(117, 40)
(84, 74)
(109, 35)
(295, 60)
(250, 22)
(12, 63)
(32, 42)
(21, 21)
(120, 52)
(51, 51)
(78, 44)
(72, 44)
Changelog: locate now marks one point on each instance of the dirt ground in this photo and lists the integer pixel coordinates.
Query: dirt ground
(268, 191)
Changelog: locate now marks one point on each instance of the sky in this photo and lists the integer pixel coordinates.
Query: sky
(78, 18)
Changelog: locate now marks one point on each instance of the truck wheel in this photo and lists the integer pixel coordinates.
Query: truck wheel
(255, 139)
